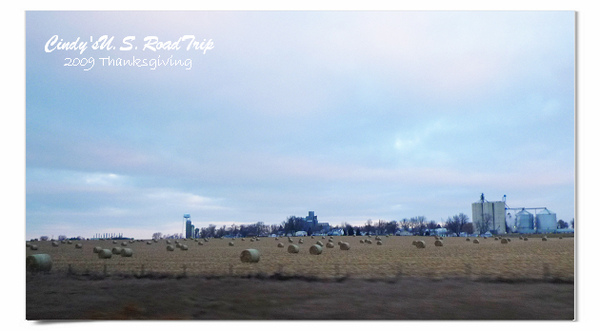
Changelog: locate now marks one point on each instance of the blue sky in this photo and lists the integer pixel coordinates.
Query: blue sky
(355, 115)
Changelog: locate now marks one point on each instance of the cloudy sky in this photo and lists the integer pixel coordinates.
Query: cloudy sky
(355, 115)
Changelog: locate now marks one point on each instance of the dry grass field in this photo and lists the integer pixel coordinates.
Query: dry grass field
(518, 280)
(457, 258)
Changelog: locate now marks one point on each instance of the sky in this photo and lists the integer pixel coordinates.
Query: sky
(354, 115)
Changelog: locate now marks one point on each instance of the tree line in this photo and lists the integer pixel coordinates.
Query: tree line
(418, 225)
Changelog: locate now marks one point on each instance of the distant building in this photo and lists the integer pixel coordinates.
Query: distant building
(189, 227)
(311, 224)
(491, 215)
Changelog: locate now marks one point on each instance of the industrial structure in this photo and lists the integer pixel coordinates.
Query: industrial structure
(312, 224)
(495, 217)
(189, 227)
(489, 216)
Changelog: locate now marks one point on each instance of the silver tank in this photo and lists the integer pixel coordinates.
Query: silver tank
(545, 221)
(524, 220)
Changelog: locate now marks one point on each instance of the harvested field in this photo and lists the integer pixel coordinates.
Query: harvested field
(518, 259)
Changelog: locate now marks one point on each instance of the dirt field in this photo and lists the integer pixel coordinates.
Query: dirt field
(58, 297)
(520, 280)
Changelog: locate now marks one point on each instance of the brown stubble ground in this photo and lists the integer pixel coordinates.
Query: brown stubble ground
(449, 282)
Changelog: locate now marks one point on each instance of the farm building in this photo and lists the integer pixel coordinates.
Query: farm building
(489, 215)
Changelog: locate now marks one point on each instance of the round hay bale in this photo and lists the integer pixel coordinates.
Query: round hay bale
(69, 242)
(322, 237)
(169, 242)
(484, 237)
(105, 253)
(124, 244)
(170, 248)
(231, 243)
(476, 241)
(117, 250)
(183, 247)
(200, 243)
(503, 241)
(126, 252)
(38, 262)
(27, 245)
(243, 239)
(257, 239)
(330, 245)
(114, 242)
(276, 238)
(439, 243)
(362, 241)
(330, 240)
(301, 241)
(315, 249)
(250, 256)
(339, 243)
(520, 237)
(320, 243)
(414, 242)
(468, 239)
(544, 238)
(559, 237)
(379, 242)
(97, 249)
(33, 247)
(148, 243)
(345, 246)
(496, 238)
(55, 244)
(294, 249)
(508, 239)
(420, 244)
(251, 240)
(290, 240)
(369, 241)
(525, 239)
(78, 245)
(280, 245)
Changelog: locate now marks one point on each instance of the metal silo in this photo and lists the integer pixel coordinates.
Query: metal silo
(524, 221)
(545, 221)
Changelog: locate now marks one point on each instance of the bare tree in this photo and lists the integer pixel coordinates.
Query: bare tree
(484, 225)
(156, 235)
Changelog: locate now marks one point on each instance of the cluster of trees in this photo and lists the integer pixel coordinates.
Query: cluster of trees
(418, 225)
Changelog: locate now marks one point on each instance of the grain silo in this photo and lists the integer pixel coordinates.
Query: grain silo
(489, 216)
(545, 221)
(524, 221)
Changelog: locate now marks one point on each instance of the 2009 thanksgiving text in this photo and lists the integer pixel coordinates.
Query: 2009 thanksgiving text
(186, 43)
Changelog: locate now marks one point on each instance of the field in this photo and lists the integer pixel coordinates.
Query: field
(519, 280)
(396, 257)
